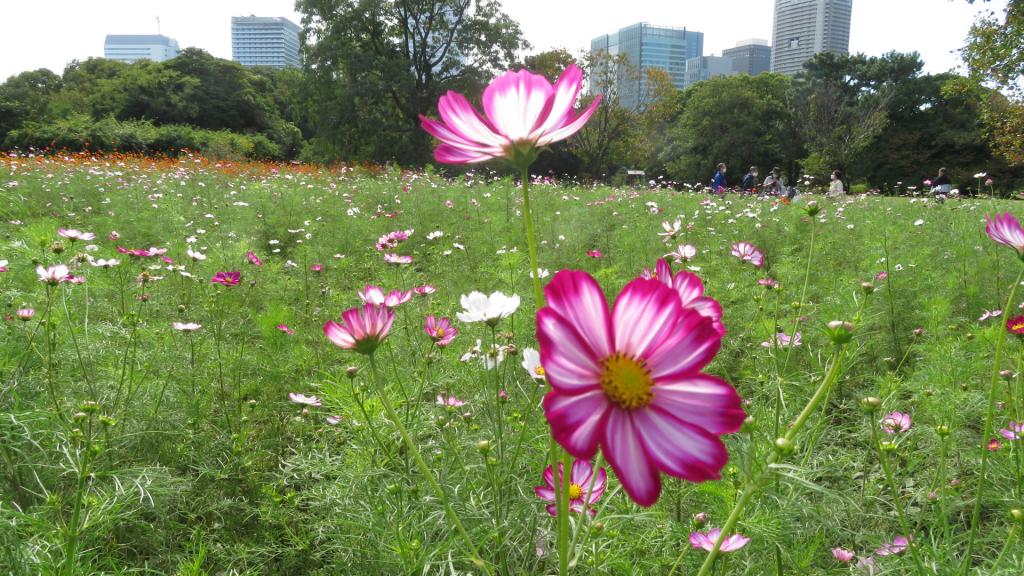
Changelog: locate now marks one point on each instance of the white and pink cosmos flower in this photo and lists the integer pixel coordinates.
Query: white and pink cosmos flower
(52, 275)
(842, 555)
(440, 330)
(1013, 431)
(707, 541)
(399, 259)
(896, 422)
(361, 329)
(296, 398)
(897, 546)
(450, 401)
(684, 253)
(747, 252)
(584, 487)
(375, 295)
(186, 326)
(1005, 229)
(524, 113)
(629, 381)
(74, 234)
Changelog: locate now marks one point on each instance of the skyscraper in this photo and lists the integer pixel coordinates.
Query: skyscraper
(131, 47)
(802, 28)
(265, 41)
(707, 67)
(647, 47)
(752, 56)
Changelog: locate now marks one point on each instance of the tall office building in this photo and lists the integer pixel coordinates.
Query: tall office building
(131, 47)
(707, 67)
(802, 28)
(752, 56)
(647, 47)
(265, 41)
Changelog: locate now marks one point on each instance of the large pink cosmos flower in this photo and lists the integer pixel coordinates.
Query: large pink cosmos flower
(1006, 229)
(524, 113)
(440, 330)
(629, 381)
(747, 252)
(581, 493)
(691, 292)
(361, 329)
(707, 541)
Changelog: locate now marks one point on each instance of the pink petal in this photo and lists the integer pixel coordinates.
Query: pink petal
(575, 420)
(688, 285)
(569, 364)
(709, 308)
(445, 134)
(515, 101)
(702, 400)
(572, 127)
(687, 348)
(460, 117)
(627, 457)
(448, 154)
(544, 493)
(643, 316)
(578, 298)
(678, 448)
(566, 89)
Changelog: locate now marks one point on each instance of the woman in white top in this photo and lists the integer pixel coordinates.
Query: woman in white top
(835, 188)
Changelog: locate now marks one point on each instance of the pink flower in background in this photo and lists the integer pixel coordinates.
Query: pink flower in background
(747, 252)
(842, 555)
(226, 278)
(584, 487)
(524, 113)
(316, 268)
(26, 314)
(1013, 431)
(990, 314)
(881, 276)
(994, 445)
(391, 240)
(691, 293)
(898, 545)
(896, 422)
(450, 401)
(284, 328)
(707, 541)
(113, 235)
(142, 252)
(629, 381)
(3, 265)
(424, 290)
(397, 259)
(303, 399)
(684, 253)
(594, 253)
(371, 294)
(782, 340)
(770, 283)
(253, 258)
(73, 234)
(1005, 229)
(52, 275)
(361, 329)
(440, 330)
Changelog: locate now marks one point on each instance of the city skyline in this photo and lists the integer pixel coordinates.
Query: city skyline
(878, 25)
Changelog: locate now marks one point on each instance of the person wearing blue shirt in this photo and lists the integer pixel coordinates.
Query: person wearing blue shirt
(718, 183)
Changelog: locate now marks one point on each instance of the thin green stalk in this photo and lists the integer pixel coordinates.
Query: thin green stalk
(883, 458)
(424, 469)
(50, 385)
(754, 484)
(989, 416)
(78, 351)
(1006, 546)
(803, 290)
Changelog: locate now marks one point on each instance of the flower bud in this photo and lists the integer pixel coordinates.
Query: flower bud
(483, 446)
(79, 416)
(351, 371)
(749, 423)
(1006, 374)
(90, 406)
(870, 403)
(886, 446)
(700, 518)
(840, 332)
(108, 421)
(597, 527)
(812, 208)
(867, 287)
(942, 430)
(918, 332)
(1016, 515)
(57, 247)
(784, 445)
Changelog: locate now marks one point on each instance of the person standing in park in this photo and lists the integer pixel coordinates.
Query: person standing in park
(941, 184)
(773, 183)
(750, 180)
(718, 183)
(835, 187)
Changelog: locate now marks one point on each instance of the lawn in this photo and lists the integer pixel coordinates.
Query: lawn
(131, 444)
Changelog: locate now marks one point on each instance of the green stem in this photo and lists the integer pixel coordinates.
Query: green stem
(883, 458)
(754, 484)
(993, 386)
(803, 290)
(1006, 546)
(425, 470)
(531, 241)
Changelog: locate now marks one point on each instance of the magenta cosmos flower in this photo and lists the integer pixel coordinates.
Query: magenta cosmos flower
(898, 545)
(691, 293)
(1013, 431)
(361, 329)
(842, 555)
(253, 258)
(581, 493)
(629, 381)
(707, 541)
(524, 113)
(226, 278)
(896, 422)
(1006, 229)
(747, 252)
(440, 330)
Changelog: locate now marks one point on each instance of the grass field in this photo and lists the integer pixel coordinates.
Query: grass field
(131, 446)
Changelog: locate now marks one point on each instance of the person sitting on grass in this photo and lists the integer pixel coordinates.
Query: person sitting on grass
(941, 184)
(750, 180)
(718, 183)
(835, 187)
(773, 183)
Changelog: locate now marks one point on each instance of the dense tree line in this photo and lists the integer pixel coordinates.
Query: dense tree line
(373, 66)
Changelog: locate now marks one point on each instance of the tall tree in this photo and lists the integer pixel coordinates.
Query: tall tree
(25, 96)
(378, 64)
(602, 144)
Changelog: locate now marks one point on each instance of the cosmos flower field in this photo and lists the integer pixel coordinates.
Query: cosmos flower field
(279, 369)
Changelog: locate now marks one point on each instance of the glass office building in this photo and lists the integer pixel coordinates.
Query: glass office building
(802, 28)
(647, 47)
(131, 47)
(265, 41)
(752, 56)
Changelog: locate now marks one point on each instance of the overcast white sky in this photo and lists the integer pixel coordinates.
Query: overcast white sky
(50, 33)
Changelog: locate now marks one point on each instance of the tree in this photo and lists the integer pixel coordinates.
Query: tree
(549, 64)
(994, 54)
(25, 97)
(602, 145)
(742, 120)
(378, 64)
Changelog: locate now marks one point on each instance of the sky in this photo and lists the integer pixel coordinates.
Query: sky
(51, 33)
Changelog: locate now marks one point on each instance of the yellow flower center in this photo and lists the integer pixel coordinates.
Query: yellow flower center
(439, 332)
(575, 491)
(627, 381)
(1017, 326)
(540, 371)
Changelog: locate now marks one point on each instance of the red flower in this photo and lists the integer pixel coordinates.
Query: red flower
(1015, 325)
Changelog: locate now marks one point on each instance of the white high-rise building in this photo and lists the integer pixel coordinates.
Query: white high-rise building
(265, 41)
(131, 47)
(802, 28)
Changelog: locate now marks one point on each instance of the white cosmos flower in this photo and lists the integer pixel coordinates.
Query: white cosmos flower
(531, 362)
(543, 273)
(488, 309)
